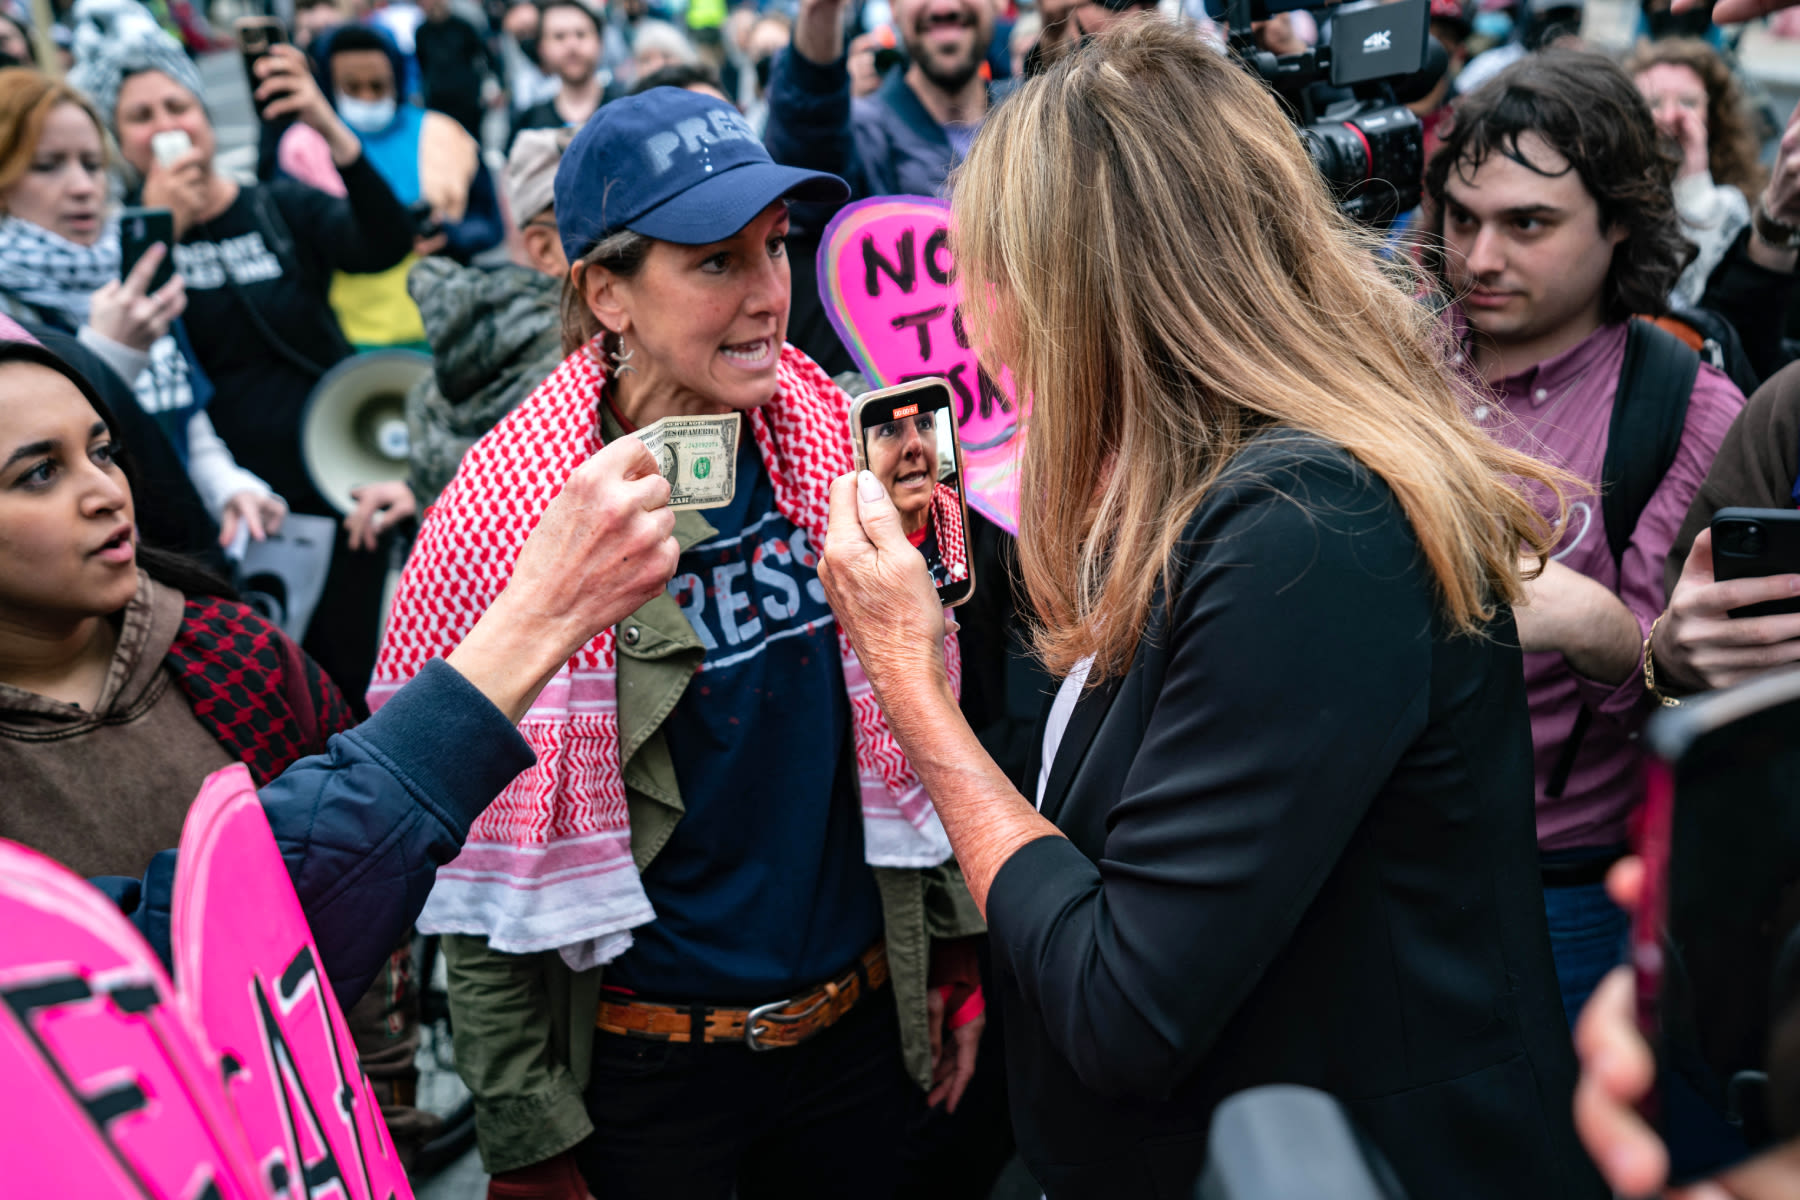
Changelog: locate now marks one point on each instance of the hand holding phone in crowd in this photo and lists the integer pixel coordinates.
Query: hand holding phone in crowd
(1699, 644)
(906, 437)
(129, 312)
(285, 89)
(178, 179)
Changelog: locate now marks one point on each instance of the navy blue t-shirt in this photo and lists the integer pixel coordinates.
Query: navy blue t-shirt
(762, 889)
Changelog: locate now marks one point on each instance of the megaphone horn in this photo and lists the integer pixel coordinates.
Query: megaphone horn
(354, 428)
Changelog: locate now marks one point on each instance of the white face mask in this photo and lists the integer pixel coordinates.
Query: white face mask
(366, 116)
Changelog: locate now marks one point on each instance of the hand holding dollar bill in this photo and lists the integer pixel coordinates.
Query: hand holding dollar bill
(698, 456)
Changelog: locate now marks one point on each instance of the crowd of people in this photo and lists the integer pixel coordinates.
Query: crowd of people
(1294, 735)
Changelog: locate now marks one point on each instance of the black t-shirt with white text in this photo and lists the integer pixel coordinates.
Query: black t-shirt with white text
(261, 390)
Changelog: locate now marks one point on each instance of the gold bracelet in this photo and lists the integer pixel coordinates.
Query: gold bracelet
(1667, 701)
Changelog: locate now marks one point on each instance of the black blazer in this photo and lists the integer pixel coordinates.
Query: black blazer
(1300, 848)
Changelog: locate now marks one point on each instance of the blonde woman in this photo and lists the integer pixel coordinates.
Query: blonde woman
(1282, 828)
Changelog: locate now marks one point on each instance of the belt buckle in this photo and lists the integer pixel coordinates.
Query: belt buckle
(771, 1012)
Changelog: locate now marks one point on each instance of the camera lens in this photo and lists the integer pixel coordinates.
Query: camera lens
(1749, 540)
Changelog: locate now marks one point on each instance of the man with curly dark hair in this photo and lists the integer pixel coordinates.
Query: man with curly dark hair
(1554, 204)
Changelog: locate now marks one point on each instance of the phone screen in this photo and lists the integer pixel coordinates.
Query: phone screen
(140, 229)
(907, 440)
(1717, 947)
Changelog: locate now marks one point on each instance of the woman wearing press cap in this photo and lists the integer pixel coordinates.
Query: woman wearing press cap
(256, 262)
(715, 937)
(1282, 830)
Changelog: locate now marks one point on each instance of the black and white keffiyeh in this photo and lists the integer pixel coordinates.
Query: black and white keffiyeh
(51, 274)
(116, 39)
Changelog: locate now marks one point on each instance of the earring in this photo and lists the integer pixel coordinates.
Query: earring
(621, 361)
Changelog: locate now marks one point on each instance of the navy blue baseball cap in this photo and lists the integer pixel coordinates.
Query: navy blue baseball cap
(675, 166)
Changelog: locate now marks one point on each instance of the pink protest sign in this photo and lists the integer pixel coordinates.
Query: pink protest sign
(110, 1091)
(240, 1085)
(249, 968)
(889, 287)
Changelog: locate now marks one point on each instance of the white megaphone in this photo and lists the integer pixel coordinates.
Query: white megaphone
(354, 428)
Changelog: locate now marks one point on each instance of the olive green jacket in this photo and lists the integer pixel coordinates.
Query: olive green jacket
(524, 1024)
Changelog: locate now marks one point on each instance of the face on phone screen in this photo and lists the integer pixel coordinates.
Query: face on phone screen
(914, 457)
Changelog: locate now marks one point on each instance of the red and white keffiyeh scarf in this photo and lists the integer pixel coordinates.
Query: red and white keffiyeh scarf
(946, 515)
(548, 864)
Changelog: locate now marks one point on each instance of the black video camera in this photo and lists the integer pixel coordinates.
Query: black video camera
(1348, 96)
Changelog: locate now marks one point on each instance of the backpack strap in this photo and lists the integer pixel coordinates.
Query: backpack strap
(1649, 413)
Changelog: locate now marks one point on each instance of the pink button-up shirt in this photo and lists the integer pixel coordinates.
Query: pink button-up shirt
(1559, 411)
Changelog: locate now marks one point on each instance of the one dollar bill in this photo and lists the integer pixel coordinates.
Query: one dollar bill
(698, 456)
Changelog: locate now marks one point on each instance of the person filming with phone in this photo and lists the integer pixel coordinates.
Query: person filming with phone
(256, 262)
(1697, 643)
(61, 266)
(724, 851)
(1282, 823)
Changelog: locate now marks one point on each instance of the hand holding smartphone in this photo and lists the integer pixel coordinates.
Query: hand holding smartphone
(906, 437)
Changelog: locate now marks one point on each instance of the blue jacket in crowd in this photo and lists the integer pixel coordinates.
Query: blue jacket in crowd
(365, 826)
(883, 144)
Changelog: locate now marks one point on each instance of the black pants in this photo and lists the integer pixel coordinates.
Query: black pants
(346, 627)
(694, 1122)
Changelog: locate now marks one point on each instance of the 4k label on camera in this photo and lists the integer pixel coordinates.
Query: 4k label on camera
(698, 456)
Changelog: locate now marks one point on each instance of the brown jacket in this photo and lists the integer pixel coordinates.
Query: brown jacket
(1756, 465)
(103, 790)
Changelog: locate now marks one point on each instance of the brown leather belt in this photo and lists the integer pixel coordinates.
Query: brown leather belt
(766, 1027)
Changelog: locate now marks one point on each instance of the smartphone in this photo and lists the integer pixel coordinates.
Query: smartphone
(906, 435)
(169, 145)
(1716, 935)
(1749, 543)
(140, 229)
(254, 37)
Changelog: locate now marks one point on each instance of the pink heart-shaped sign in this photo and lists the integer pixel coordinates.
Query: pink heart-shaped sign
(889, 287)
(241, 1084)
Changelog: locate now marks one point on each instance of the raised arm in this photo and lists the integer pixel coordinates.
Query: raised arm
(809, 98)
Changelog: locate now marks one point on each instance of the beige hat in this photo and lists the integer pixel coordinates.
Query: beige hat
(531, 171)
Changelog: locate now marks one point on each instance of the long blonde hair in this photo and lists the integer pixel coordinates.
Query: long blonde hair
(1143, 240)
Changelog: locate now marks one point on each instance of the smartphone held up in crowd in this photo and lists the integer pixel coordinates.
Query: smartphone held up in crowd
(1752, 543)
(1716, 936)
(140, 229)
(255, 36)
(906, 436)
